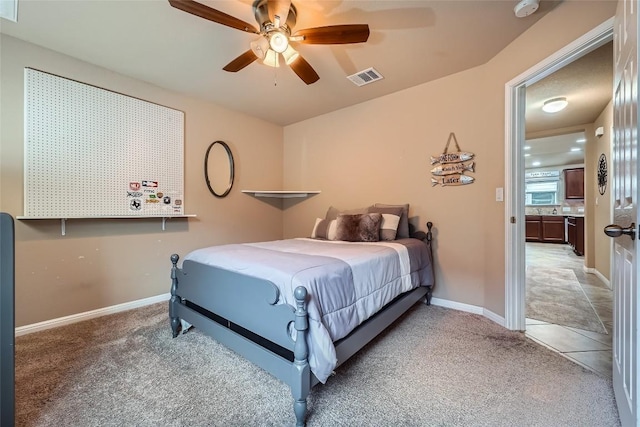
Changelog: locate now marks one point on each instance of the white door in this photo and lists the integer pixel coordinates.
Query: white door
(625, 195)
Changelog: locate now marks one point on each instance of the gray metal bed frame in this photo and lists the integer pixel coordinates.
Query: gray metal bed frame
(216, 301)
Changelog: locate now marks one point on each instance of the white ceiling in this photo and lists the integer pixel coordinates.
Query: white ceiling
(587, 83)
(411, 42)
(557, 150)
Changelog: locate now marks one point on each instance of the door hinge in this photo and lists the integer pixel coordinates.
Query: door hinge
(513, 220)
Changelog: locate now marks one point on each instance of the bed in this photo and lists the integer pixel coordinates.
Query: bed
(299, 308)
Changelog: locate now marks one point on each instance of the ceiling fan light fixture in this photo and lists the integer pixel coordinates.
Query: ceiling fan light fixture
(554, 105)
(260, 47)
(278, 41)
(271, 58)
(290, 55)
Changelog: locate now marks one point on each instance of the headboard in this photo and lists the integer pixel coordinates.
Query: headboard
(7, 320)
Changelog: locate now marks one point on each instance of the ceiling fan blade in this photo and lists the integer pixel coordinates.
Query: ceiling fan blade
(304, 70)
(279, 8)
(241, 61)
(334, 34)
(199, 9)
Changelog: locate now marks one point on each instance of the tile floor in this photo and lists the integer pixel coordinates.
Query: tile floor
(589, 349)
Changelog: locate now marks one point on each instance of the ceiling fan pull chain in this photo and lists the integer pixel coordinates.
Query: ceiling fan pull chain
(275, 72)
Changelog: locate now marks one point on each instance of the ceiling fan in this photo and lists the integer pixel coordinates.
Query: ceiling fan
(276, 19)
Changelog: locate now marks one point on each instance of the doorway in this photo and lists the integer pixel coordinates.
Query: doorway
(566, 308)
(515, 292)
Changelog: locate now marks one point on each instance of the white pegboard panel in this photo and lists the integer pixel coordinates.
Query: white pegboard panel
(91, 152)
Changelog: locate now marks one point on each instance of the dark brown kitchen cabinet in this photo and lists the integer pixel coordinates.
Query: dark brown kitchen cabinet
(574, 183)
(533, 228)
(553, 229)
(575, 234)
(544, 228)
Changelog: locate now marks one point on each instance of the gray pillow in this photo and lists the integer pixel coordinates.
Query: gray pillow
(324, 229)
(358, 227)
(390, 221)
(332, 212)
(403, 227)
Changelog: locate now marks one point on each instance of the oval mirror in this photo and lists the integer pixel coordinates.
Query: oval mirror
(219, 168)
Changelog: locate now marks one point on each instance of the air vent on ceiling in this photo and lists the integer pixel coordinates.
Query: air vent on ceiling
(364, 77)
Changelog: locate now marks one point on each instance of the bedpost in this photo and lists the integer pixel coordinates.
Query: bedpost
(175, 320)
(301, 384)
(427, 239)
(429, 243)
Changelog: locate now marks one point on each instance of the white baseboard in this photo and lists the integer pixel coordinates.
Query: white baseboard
(469, 309)
(74, 318)
(600, 276)
(494, 317)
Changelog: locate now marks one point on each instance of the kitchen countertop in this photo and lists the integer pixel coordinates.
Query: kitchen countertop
(558, 214)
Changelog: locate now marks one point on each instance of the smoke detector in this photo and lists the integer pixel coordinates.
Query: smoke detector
(526, 8)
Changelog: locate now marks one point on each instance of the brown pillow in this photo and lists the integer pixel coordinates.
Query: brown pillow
(403, 227)
(358, 227)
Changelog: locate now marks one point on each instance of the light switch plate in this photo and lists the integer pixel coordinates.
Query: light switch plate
(499, 194)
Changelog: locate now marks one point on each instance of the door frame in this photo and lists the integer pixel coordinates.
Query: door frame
(515, 92)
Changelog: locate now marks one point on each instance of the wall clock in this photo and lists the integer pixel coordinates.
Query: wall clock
(602, 174)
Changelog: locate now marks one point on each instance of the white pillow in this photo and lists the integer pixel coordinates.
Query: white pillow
(389, 226)
(324, 229)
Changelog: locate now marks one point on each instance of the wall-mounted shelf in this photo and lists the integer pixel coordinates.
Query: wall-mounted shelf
(281, 194)
(63, 221)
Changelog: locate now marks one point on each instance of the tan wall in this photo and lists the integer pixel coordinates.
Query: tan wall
(600, 213)
(103, 262)
(373, 152)
(378, 151)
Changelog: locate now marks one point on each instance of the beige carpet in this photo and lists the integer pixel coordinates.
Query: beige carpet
(554, 295)
(434, 367)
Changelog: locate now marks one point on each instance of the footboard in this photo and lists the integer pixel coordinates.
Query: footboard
(242, 313)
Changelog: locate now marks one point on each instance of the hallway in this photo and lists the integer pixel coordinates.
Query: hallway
(589, 349)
